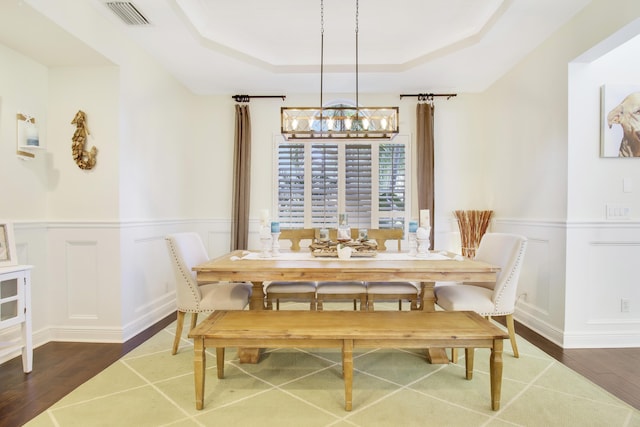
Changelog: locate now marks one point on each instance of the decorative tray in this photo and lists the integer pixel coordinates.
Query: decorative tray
(359, 249)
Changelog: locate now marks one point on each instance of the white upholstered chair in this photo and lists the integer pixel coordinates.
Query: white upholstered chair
(186, 250)
(292, 291)
(490, 299)
(387, 291)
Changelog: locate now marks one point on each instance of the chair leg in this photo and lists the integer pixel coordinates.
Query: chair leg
(399, 305)
(194, 320)
(179, 324)
(512, 334)
(319, 306)
(454, 355)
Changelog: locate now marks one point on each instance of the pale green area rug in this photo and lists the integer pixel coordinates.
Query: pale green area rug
(150, 387)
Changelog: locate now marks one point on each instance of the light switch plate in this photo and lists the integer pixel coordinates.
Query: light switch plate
(616, 211)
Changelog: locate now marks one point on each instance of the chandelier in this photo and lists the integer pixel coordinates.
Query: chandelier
(338, 122)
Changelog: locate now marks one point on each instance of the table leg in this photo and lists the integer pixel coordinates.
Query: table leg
(252, 355)
(257, 297)
(469, 353)
(199, 365)
(347, 370)
(428, 297)
(495, 364)
(220, 361)
(434, 355)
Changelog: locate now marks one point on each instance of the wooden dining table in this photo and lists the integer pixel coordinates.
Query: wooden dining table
(247, 266)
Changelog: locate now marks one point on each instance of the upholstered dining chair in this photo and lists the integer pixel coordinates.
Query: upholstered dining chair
(387, 291)
(292, 291)
(341, 291)
(186, 250)
(490, 299)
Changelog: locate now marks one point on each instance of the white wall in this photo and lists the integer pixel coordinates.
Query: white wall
(74, 194)
(549, 184)
(23, 89)
(96, 237)
(611, 248)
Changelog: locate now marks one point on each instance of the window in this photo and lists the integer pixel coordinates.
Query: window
(317, 180)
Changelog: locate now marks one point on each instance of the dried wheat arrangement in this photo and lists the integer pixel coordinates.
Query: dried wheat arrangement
(473, 224)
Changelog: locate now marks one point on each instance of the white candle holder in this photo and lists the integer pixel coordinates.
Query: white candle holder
(275, 245)
(423, 248)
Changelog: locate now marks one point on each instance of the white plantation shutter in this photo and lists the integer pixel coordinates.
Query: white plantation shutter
(317, 180)
(324, 184)
(291, 179)
(357, 188)
(392, 185)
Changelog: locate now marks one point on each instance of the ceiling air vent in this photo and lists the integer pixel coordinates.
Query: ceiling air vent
(126, 11)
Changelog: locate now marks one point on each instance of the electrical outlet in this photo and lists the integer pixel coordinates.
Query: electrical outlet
(624, 305)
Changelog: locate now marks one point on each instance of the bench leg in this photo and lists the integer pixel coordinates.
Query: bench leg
(347, 370)
(495, 363)
(469, 353)
(199, 365)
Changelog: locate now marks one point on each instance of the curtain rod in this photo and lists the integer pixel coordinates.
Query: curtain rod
(430, 96)
(247, 98)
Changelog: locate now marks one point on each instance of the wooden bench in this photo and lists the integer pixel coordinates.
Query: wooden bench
(347, 330)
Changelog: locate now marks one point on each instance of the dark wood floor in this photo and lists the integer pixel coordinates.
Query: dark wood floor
(617, 370)
(61, 367)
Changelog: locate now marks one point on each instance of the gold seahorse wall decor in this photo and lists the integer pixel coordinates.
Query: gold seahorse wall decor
(84, 159)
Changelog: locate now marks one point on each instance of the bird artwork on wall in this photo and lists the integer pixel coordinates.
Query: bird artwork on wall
(84, 159)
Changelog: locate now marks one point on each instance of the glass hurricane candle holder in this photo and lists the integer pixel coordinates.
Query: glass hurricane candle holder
(275, 245)
(413, 244)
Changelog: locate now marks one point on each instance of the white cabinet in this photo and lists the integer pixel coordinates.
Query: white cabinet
(15, 308)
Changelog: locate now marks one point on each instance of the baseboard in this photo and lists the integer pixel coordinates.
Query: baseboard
(549, 332)
(606, 339)
(150, 318)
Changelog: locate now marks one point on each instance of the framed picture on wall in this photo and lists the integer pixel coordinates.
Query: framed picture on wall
(7, 245)
(620, 121)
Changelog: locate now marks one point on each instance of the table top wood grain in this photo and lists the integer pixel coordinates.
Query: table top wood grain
(228, 267)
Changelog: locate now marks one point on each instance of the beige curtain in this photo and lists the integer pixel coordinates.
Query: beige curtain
(241, 179)
(424, 115)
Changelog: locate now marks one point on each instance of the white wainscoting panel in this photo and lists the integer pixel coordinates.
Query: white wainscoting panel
(81, 259)
(541, 287)
(602, 259)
